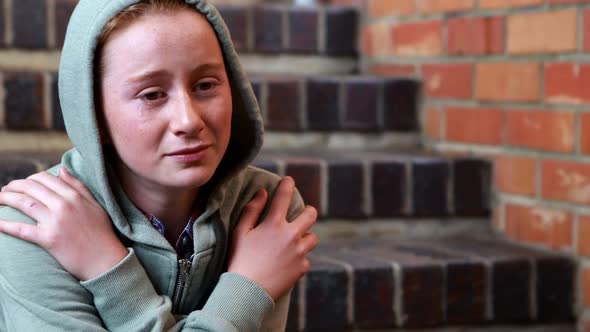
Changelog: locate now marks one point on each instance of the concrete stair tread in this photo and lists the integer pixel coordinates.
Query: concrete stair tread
(419, 283)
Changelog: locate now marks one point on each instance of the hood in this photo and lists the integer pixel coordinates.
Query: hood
(76, 91)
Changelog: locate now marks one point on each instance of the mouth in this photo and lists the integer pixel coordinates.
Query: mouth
(191, 154)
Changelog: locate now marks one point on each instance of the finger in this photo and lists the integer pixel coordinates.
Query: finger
(305, 220)
(57, 185)
(19, 230)
(310, 241)
(26, 204)
(75, 183)
(251, 212)
(281, 200)
(36, 190)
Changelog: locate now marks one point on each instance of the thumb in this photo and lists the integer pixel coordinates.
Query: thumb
(251, 212)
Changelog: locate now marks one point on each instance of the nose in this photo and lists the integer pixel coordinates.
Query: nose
(186, 116)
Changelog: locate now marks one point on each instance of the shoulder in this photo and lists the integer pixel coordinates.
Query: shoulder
(248, 182)
(10, 214)
(259, 178)
(16, 252)
(23, 263)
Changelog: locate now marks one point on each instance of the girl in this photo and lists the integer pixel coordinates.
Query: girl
(137, 229)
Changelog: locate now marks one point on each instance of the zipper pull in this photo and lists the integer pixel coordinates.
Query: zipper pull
(184, 266)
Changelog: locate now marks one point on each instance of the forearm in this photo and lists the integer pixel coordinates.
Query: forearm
(127, 301)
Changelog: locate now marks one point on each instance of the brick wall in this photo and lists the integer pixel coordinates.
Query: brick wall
(32, 34)
(507, 80)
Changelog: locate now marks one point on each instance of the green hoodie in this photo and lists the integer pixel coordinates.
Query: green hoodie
(141, 292)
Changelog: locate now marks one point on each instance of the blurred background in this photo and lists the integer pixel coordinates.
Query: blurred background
(444, 142)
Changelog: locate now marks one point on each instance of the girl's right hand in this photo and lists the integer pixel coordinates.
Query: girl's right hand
(274, 253)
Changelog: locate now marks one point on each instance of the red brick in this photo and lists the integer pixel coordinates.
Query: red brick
(380, 8)
(563, 230)
(448, 80)
(474, 125)
(476, 36)
(392, 70)
(585, 133)
(376, 39)
(515, 219)
(548, 227)
(567, 83)
(418, 39)
(566, 181)
(367, 41)
(495, 4)
(545, 32)
(507, 81)
(440, 6)
(432, 123)
(515, 175)
(584, 236)
(587, 30)
(552, 131)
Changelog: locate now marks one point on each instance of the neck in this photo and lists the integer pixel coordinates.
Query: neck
(173, 206)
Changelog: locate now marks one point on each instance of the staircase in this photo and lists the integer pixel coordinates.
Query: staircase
(406, 235)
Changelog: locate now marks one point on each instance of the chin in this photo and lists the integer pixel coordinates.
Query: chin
(186, 180)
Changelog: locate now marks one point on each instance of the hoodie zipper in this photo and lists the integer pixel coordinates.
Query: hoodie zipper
(184, 267)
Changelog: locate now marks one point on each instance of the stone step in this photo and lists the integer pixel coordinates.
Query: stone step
(425, 283)
(271, 38)
(338, 103)
(361, 185)
(290, 104)
(354, 185)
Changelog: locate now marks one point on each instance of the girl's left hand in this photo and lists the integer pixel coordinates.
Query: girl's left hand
(71, 225)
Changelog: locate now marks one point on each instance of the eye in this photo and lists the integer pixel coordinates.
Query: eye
(205, 86)
(151, 96)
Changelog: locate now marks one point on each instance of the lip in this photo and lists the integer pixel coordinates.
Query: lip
(190, 154)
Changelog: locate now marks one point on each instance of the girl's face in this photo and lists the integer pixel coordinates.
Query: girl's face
(166, 100)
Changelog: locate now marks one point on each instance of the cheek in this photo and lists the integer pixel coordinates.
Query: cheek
(220, 118)
(127, 130)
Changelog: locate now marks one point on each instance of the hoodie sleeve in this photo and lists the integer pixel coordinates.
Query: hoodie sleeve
(36, 293)
(127, 301)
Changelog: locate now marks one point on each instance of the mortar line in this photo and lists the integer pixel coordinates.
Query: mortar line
(9, 23)
(51, 23)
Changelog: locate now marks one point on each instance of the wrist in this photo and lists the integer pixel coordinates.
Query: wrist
(104, 262)
(268, 289)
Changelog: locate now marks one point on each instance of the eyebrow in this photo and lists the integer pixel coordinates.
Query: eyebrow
(148, 75)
